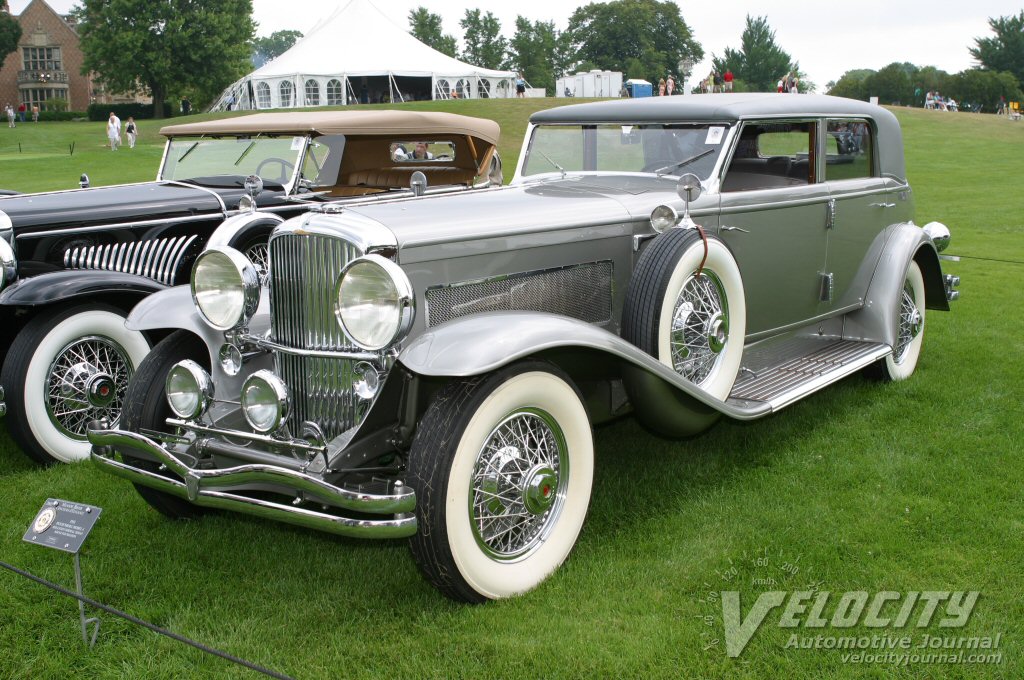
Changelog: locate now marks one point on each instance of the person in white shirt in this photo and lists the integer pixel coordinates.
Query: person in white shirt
(114, 131)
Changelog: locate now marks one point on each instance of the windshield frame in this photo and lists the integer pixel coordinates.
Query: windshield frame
(299, 156)
(710, 182)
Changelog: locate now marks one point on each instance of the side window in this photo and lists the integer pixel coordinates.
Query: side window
(848, 150)
(772, 155)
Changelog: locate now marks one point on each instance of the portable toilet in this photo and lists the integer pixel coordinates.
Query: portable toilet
(639, 88)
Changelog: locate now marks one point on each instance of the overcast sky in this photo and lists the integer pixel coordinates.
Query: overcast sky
(827, 38)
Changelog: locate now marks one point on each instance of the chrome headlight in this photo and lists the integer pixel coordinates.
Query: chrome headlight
(375, 302)
(189, 389)
(8, 263)
(664, 217)
(265, 401)
(225, 287)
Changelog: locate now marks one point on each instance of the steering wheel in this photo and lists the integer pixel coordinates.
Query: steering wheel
(286, 169)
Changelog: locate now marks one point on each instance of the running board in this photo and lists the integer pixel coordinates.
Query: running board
(790, 371)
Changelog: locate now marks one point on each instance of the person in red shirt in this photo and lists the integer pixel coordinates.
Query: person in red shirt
(21, 112)
(728, 80)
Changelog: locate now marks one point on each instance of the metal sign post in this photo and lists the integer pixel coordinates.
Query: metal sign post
(64, 525)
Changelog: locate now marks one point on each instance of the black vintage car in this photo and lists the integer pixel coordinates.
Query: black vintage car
(73, 263)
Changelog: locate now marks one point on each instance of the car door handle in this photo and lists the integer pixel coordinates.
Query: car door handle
(725, 228)
(883, 205)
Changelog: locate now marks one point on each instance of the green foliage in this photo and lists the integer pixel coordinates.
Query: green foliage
(62, 115)
(425, 26)
(1004, 51)
(891, 85)
(539, 52)
(975, 86)
(272, 46)
(100, 112)
(852, 84)
(58, 104)
(759, 62)
(642, 38)
(485, 46)
(167, 47)
(10, 34)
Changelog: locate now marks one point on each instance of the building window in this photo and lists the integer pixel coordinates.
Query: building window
(40, 96)
(334, 92)
(285, 91)
(41, 58)
(312, 93)
(263, 96)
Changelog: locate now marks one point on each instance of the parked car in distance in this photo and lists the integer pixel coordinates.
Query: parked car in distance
(433, 369)
(73, 263)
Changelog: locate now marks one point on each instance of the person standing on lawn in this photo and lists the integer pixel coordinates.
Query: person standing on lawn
(21, 112)
(114, 131)
(35, 113)
(132, 130)
(728, 80)
(670, 85)
(9, 110)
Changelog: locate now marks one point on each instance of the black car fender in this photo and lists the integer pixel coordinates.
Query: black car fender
(63, 286)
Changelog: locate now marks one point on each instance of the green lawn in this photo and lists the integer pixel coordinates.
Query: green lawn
(914, 486)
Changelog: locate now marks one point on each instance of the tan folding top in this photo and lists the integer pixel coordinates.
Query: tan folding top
(365, 122)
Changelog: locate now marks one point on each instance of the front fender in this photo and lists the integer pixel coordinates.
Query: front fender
(62, 286)
(234, 228)
(878, 319)
(485, 342)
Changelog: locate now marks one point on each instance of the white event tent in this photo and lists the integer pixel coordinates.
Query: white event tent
(358, 55)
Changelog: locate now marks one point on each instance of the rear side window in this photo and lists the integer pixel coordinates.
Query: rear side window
(849, 150)
(772, 155)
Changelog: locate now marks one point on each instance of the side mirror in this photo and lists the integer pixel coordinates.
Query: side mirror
(689, 189)
(83, 181)
(418, 183)
(253, 186)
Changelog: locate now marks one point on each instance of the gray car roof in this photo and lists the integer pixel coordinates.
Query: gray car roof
(731, 108)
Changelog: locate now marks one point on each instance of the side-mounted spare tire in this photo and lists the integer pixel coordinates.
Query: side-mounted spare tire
(685, 306)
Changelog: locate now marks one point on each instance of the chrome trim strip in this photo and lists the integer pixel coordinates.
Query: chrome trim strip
(267, 344)
(157, 259)
(120, 225)
(827, 379)
(105, 441)
(213, 193)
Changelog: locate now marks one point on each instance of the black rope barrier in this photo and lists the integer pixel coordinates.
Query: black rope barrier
(145, 624)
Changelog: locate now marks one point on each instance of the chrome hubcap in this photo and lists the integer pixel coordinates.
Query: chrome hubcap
(700, 327)
(517, 491)
(86, 381)
(911, 324)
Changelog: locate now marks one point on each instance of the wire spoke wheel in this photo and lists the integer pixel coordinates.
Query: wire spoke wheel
(911, 322)
(515, 493)
(259, 255)
(87, 381)
(700, 327)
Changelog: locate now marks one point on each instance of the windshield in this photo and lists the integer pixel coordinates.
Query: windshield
(272, 158)
(665, 149)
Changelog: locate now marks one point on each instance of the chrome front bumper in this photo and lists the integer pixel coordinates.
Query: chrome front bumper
(207, 488)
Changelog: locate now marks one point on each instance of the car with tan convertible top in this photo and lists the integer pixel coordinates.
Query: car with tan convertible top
(73, 263)
(433, 369)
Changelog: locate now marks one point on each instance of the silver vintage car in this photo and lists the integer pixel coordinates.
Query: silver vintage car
(432, 368)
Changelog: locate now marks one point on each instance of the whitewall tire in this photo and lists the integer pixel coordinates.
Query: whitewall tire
(901, 364)
(66, 368)
(502, 466)
(688, 311)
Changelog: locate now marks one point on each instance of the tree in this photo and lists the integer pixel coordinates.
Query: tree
(426, 27)
(485, 46)
(1005, 51)
(759, 62)
(977, 87)
(891, 85)
(273, 46)
(539, 52)
(10, 34)
(641, 38)
(167, 46)
(852, 84)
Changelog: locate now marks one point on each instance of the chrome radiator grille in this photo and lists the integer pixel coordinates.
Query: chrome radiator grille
(304, 270)
(582, 291)
(157, 259)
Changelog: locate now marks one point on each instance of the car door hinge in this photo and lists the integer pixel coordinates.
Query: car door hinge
(830, 219)
(826, 286)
